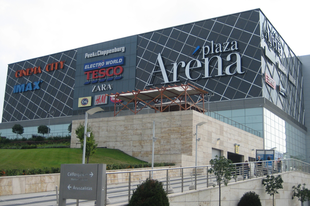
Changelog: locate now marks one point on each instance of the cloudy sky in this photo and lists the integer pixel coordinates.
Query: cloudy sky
(35, 28)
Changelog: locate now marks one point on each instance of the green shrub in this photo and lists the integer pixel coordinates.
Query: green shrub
(151, 193)
(250, 198)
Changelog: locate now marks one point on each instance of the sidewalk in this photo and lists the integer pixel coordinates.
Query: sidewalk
(38, 199)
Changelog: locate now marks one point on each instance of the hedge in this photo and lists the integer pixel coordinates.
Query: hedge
(46, 170)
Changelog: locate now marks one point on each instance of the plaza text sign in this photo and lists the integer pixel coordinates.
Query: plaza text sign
(211, 54)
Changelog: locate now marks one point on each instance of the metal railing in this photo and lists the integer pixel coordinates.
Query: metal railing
(233, 123)
(120, 185)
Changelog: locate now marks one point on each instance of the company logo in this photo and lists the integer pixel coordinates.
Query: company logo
(102, 87)
(271, 37)
(103, 64)
(101, 99)
(37, 70)
(27, 87)
(115, 100)
(229, 66)
(84, 102)
(271, 82)
(105, 70)
(104, 52)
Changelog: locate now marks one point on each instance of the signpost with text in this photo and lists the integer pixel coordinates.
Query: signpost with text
(82, 181)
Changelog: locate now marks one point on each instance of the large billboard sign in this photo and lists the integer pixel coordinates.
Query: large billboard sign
(103, 69)
(230, 65)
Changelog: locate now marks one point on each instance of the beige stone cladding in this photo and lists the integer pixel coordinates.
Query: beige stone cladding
(13, 185)
(232, 193)
(175, 136)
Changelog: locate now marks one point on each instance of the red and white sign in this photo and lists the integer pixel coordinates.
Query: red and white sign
(101, 99)
(271, 82)
(114, 100)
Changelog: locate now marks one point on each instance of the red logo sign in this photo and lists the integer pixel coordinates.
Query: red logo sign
(101, 99)
(271, 82)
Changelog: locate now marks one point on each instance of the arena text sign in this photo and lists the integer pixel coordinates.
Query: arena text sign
(229, 65)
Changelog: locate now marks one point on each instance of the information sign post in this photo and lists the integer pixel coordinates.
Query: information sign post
(82, 181)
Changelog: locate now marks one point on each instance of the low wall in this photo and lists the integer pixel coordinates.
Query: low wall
(232, 193)
(13, 185)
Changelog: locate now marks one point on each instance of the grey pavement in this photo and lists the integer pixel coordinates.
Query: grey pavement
(38, 199)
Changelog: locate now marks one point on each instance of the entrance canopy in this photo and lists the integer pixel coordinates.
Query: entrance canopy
(162, 99)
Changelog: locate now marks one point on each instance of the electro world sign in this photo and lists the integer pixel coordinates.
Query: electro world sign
(226, 66)
(103, 71)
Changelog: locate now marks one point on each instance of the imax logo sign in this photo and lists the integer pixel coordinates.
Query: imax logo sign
(226, 66)
(27, 87)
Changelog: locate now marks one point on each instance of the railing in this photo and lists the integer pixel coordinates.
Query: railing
(233, 123)
(120, 185)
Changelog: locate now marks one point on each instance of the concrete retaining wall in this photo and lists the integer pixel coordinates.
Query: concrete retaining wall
(232, 193)
(13, 185)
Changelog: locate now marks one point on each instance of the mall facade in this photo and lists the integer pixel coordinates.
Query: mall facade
(253, 79)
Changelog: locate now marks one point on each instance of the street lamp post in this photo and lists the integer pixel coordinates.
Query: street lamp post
(88, 112)
(50, 114)
(197, 125)
(191, 187)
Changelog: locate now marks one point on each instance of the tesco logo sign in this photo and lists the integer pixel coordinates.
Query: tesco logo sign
(104, 70)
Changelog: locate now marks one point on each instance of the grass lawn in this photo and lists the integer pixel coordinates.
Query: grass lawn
(54, 157)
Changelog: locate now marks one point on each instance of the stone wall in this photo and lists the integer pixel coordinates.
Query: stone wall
(175, 133)
(13, 185)
(232, 193)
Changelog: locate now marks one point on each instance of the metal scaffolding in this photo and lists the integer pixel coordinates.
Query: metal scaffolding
(164, 99)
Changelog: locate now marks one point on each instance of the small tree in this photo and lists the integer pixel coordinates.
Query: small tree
(151, 193)
(70, 127)
(223, 170)
(18, 129)
(250, 198)
(303, 194)
(43, 129)
(91, 145)
(272, 184)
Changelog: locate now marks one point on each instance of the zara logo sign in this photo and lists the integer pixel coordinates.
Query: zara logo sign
(211, 54)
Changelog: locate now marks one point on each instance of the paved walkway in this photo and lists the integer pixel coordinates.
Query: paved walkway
(38, 199)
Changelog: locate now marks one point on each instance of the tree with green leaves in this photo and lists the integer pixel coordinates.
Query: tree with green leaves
(18, 129)
(43, 129)
(70, 127)
(223, 169)
(272, 184)
(91, 145)
(151, 193)
(302, 193)
(250, 198)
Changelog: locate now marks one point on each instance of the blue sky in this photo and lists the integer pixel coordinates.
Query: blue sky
(35, 28)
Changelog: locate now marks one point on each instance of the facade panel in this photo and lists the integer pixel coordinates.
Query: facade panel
(255, 79)
(103, 69)
(220, 55)
(37, 86)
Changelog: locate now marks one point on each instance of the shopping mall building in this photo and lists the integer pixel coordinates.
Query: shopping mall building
(249, 92)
